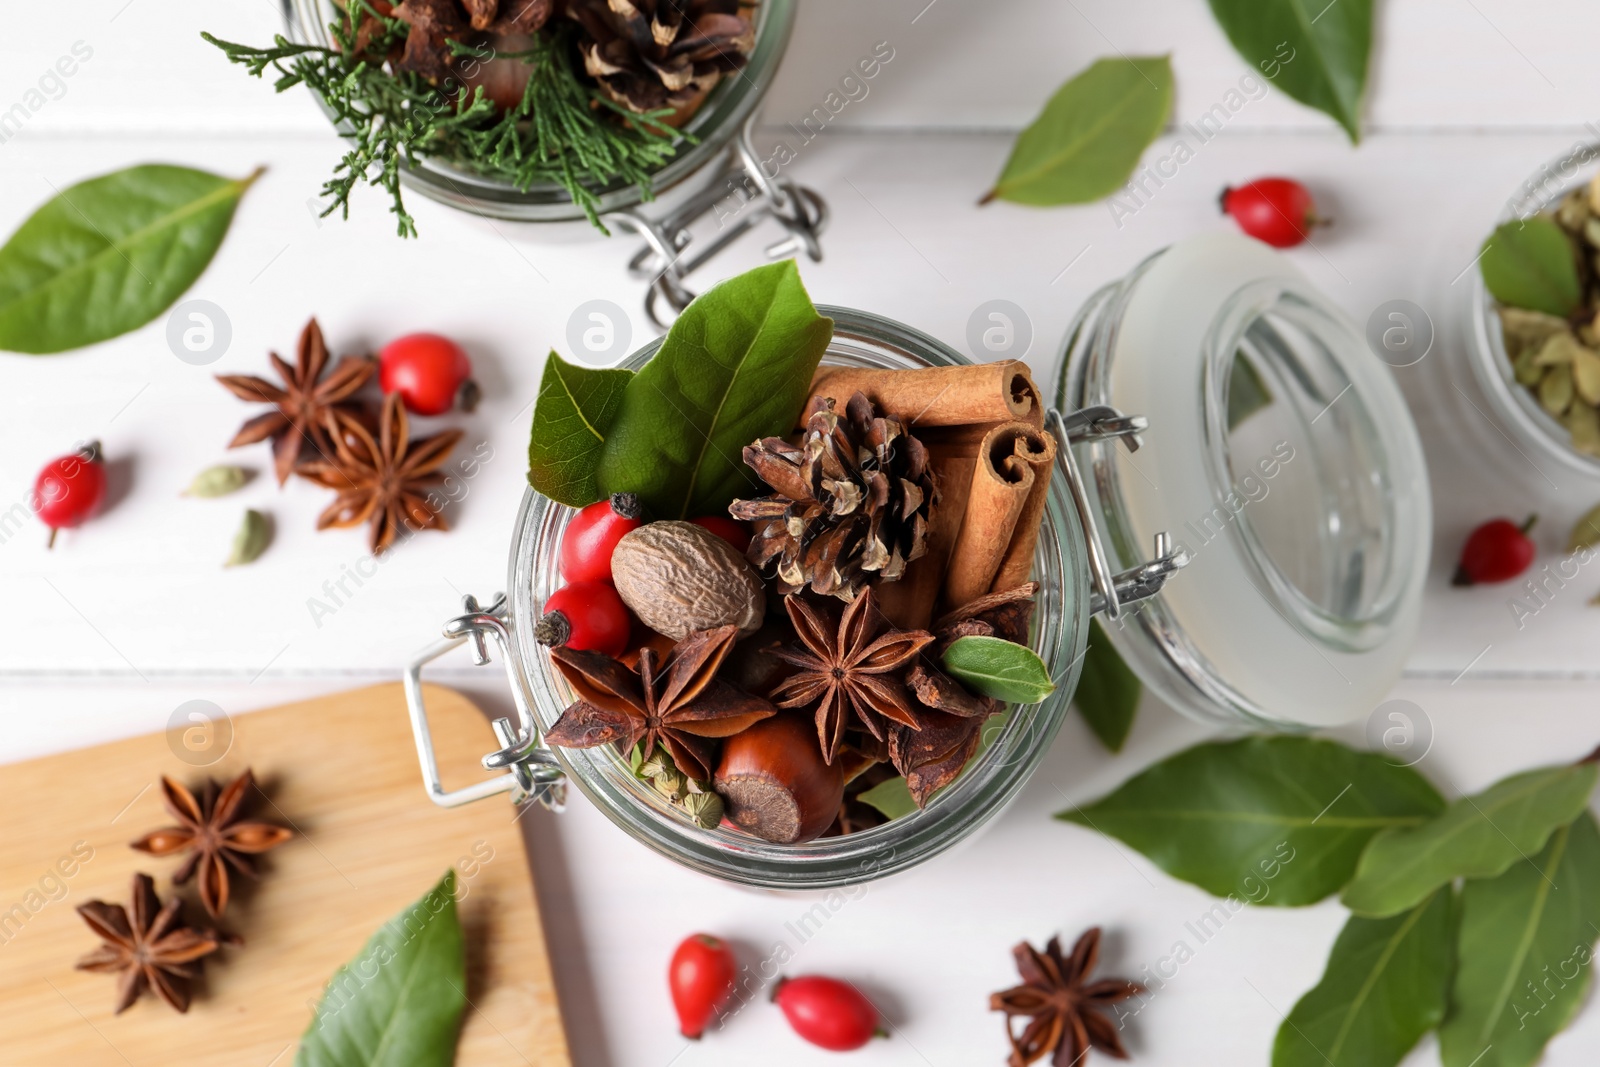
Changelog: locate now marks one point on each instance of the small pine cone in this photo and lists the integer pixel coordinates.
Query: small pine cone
(851, 502)
(653, 55)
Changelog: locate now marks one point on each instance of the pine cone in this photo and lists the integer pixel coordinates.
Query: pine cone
(649, 55)
(851, 502)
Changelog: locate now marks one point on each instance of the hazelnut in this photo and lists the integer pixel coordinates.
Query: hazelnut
(775, 783)
(678, 578)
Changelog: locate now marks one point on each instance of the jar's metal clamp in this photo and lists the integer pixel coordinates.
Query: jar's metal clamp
(532, 773)
(1109, 591)
(743, 196)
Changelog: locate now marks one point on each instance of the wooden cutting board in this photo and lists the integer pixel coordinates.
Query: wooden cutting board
(343, 771)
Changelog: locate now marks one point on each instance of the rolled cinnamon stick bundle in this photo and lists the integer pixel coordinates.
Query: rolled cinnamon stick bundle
(940, 396)
(1016, 566)
(1002, 480)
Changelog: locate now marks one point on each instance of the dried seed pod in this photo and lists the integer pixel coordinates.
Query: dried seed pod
(678, 578)
(775, 783)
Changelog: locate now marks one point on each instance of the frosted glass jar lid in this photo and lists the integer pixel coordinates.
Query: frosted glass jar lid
(1280, 455)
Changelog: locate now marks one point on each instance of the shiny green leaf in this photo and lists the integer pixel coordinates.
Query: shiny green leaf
(571, 418)
(1314, 50)
(1088, 139)
(1108, 691)
(1523, 958)
(1277, 820)
(1384, 987)
(109, 254)
(1477, 837)
(398, 1003)
(735, 367)
(995, 667)
(1528, 263)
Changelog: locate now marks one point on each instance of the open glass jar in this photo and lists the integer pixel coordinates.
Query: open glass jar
(1327, 579)
(717, 161)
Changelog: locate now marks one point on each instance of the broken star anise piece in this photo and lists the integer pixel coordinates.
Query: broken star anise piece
(211, 830)
(677, 701)
(149, 948)
(302, 403)
(849, 669)
(385, 481)
(1067, 1014)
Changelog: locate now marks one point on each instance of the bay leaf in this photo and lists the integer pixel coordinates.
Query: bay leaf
(1479, 836)
(218, 481)
(1315, 51)
(735, 367)
(1386, 985)
(892, 797)
(398, 1003)
(1088, 139)
(573, 414)
(1528, 263)
(107, 255)
(1108, 691)
(995, 667)
(1523, 957)
(255, 534)
(1290, 814)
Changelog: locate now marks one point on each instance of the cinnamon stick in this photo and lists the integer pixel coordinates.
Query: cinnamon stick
(1016, 566)
(909, 603)
(1002, 481)
(974, 393)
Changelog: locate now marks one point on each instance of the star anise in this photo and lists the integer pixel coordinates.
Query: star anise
(211, 831)
(301, 405)
(849, 669)
(1067, 1014)
(677, 701)
(384, 481)
(150, 948)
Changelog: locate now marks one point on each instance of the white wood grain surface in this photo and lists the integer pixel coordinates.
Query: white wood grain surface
(133, 614)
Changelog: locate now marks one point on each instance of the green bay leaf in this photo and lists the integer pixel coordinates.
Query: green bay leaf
(107, 255)
(1528, 263)
(1385, 986)
(1479, 836)
(1088, 139)
(995, 667)
(1279, 818)
(892, 797)
(398, 1003)
(571, 418)
(1523, 958)
(1108, 691)
(1315, 51)
(735, 367)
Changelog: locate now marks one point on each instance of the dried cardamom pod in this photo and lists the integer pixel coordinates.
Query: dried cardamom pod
(705, 809)
(1586, 531)
(1524, 329)
(1555, 390)
(1583, 422)
(255, 533)
(1586, 374)
(1573, 211)
(218, 481)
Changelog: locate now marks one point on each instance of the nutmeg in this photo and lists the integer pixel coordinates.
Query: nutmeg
(678, 578)
(775, 783)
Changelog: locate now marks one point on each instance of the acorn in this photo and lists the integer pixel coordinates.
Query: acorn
(775, 784)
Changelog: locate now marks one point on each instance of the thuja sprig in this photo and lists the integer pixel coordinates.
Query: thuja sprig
(561, 131)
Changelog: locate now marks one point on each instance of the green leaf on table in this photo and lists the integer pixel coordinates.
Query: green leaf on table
(1088, 139)
(1477, 837)
(1385, 986)
(1247, 393)
(735, 367)
(1313, 50)
(1290, 814)
(1523, 957)
(109, 254)
(995, 667)
(892, 797)
(1108, 691)
(571, 418)
(398, 1003)
(1528, 263)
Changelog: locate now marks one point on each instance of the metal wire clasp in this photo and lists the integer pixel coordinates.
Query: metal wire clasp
(1109, 591)
(664, 260)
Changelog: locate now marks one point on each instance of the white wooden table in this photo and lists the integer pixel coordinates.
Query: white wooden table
(131, 616)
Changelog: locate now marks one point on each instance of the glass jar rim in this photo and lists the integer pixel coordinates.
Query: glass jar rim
(987, 785)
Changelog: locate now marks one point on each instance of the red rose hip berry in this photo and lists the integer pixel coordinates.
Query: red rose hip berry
(1496, 551)
(735, 533)
(70, 488)
(592, 535)
(827, 1012)
(587, 617)
(701, 978)
(428, 371)
(1278, 211)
